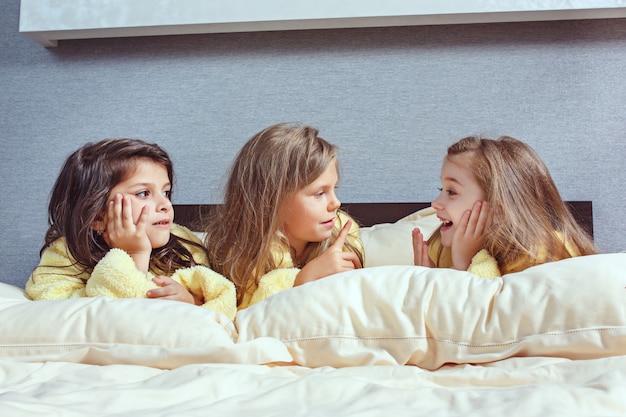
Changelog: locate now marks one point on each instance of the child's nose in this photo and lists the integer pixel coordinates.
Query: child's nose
(164, 204)
(334, 203)
(436, 204)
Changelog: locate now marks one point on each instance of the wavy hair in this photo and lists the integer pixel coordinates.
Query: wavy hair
(532, 224)
(243, 233)
(81, 192)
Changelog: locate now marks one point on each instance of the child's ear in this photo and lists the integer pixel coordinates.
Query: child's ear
(98, 226)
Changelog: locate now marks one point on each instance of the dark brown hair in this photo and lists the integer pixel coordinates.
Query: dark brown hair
(80, 194)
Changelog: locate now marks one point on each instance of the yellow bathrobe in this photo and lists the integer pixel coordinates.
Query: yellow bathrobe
(284, 277)
(116, 276)
(483, 264)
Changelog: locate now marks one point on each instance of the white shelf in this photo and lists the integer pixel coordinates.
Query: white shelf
(48, 21)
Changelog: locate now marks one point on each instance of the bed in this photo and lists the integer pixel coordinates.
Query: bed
(388, 339)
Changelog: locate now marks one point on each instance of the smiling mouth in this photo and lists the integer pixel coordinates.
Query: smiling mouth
(445, 223)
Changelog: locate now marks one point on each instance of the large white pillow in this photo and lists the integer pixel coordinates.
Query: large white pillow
(575, 308)
(158, 333)
(391, 243)
(11, 291)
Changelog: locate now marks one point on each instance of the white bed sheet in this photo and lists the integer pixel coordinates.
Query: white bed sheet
(525, 387)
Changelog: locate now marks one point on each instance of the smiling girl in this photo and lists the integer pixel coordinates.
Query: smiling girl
(111, 232)
(500, 211)
(280, 225)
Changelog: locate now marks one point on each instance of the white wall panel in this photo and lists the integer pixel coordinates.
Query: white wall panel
(47, 21)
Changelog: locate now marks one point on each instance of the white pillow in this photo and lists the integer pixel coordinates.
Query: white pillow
(158, 333)
(391, 243)
(575, 308)
(11, 291)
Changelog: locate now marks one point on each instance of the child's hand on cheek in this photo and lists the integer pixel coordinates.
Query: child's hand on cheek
(469, 236)
(122, 232)
(332, 261)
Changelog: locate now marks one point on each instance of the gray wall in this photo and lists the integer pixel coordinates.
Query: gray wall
(393, 99)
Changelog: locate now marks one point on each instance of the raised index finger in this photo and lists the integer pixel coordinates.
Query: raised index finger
(341, 237)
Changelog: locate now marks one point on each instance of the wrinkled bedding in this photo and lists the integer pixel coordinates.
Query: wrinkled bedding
(388, 340)
(513, 387)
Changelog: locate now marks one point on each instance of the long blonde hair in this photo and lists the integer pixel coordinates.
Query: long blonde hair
(271, 166)
(532, 224)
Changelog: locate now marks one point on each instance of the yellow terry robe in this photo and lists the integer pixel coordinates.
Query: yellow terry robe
(58, 277)
(483, 264)
(284, 277)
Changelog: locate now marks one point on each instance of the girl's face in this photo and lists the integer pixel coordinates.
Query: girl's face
(459, 191)
(149, 186)
(309, 214)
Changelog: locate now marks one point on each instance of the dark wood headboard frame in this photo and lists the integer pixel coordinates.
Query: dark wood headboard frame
(368, 214)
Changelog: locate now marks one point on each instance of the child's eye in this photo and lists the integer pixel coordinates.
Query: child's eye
(448, 191)
(168, 194)
(142, 194)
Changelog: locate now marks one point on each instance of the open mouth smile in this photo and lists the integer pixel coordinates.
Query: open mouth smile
(446, 224)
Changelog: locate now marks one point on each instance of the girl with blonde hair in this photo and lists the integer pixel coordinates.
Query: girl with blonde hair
(280, 225)
(501, 212)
